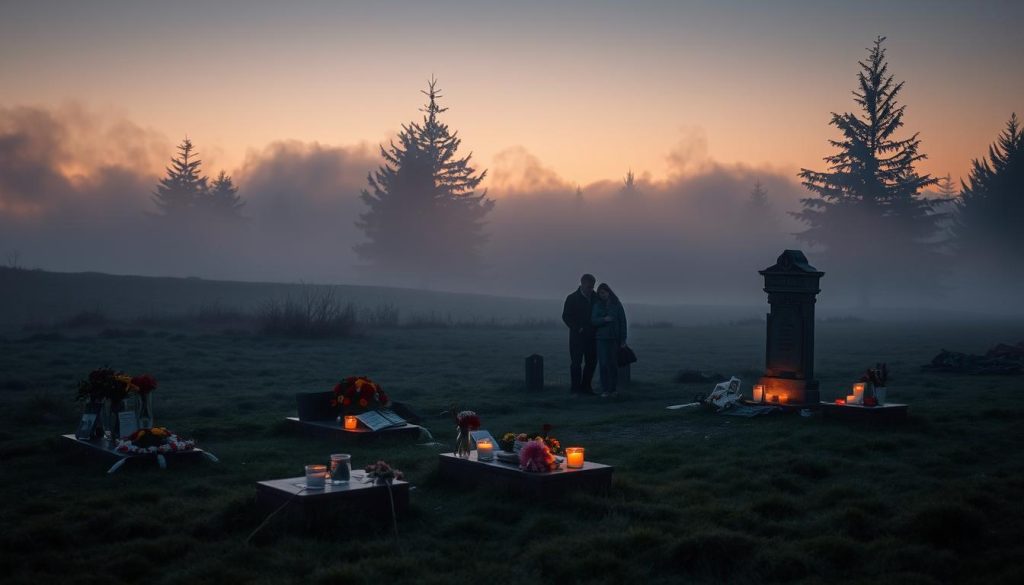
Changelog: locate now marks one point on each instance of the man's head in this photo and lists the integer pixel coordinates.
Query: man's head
(587, 282)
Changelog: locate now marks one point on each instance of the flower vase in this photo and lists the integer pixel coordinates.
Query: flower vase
(96, 407)
(146, 410)
(111, 419)
(462, 446)
(880, 392)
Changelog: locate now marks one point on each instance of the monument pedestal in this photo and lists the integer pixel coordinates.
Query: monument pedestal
(790, 392)
(792, 285)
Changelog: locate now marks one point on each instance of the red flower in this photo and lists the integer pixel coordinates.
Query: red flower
(338, 388)
(346, 402)
(145, 383)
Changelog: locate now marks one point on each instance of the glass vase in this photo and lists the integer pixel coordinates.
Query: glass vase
(146, 411)
(462, 446)
(111, 419)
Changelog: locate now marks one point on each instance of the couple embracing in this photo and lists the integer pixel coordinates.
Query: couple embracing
(597, 331)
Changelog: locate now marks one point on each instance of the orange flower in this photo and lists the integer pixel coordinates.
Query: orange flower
(363, 402)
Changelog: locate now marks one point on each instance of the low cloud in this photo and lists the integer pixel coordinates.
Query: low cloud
(75, 194)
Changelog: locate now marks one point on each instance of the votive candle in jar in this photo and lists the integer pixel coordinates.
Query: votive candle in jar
(484, 450)
(351, 423)
(316, 476)
(758, 392)
(574, 457)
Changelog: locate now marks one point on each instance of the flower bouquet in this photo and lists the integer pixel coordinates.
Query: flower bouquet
(536, 456)
(111, 388)
(358, 394)
(154, 440)
(877, 377)
(514, 442)
(465, 421)
(381, 472)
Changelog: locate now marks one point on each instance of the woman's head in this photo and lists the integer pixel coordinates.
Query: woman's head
(605, 293)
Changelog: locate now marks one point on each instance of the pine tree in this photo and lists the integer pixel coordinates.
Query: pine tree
(946, 188)
(990, 210)
(425, 217)
(867, 210)
(177, 194)
(223, 201)
(629, 187)
(758, 203)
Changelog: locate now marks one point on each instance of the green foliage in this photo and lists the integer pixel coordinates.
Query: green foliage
(867, 210)
(990, 209)
(186, 194)
(425, 218)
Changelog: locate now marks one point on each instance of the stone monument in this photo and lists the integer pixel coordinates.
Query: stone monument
(791, 284)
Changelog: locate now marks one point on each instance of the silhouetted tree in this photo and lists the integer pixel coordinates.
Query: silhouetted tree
(177, 194)
(425, 217)
(629, 187)
(758, 203)
(990, 210)
(867, 210)
(947, 189)
(185, 193)
(223, 200)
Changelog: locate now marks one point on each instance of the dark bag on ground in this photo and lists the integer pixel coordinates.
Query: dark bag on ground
(626, 356)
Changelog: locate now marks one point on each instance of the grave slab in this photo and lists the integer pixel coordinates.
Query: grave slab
(593, 477)
(332, 430)
(103, 448)
(890, 412)
(311, 507)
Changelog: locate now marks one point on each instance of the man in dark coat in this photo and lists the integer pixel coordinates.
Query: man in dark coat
(582, 344)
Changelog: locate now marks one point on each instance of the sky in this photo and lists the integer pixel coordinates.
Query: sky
(587, 90)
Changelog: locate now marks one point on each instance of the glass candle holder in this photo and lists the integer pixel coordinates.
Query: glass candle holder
(351, 423)
(316, 476)
(758, 392)
(574, 457)
(341, 468)
(484, 450)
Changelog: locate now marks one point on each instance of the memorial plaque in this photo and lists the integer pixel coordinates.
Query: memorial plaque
(792, 287)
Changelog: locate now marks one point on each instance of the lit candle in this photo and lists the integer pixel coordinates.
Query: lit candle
(858, 391)
(851, 399)
(316, 476)
(758, 392)
(775, 398)
(351, 423)
(484, 450)
(574, 457)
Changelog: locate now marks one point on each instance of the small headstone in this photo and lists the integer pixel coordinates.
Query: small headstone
(535, 372)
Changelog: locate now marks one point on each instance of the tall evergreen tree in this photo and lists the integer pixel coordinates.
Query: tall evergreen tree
(867, 210)
(946, 188)
(629, 187)
(990, 210)
(758, 202)
(223, 201)
(178, 193)
(425, 217)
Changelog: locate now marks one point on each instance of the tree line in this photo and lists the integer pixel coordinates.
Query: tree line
(867, 213)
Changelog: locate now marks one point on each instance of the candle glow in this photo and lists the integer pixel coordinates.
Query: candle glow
(574, 457)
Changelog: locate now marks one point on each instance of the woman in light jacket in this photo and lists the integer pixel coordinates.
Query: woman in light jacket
(609, 319)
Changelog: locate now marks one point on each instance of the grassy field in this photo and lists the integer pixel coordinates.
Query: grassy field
(697, 497)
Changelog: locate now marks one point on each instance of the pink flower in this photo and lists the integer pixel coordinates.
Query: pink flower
(535, 456)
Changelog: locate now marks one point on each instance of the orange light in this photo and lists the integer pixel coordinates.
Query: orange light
(484, 450)
(574, 457)
(351, 423)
